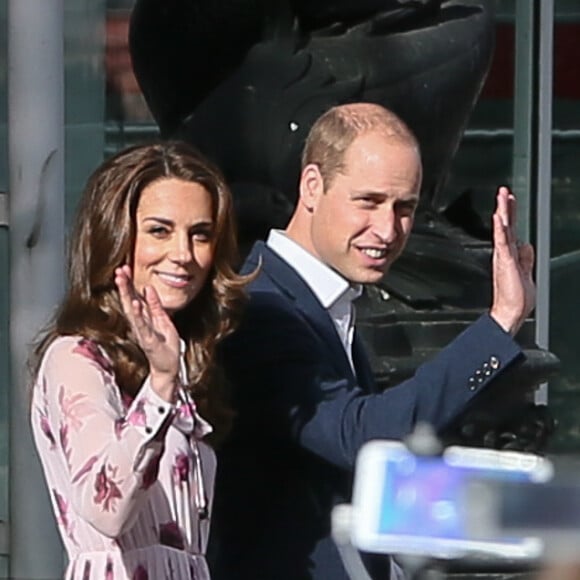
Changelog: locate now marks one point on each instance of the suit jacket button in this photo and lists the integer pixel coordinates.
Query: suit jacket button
(494, 362)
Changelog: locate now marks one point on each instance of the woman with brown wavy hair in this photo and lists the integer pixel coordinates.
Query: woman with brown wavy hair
(122, 371)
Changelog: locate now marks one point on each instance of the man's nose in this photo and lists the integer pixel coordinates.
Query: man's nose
(385, 225)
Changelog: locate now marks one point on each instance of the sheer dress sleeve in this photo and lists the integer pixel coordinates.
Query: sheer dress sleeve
(108, 453)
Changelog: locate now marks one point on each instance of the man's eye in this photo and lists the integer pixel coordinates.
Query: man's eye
(406, 210)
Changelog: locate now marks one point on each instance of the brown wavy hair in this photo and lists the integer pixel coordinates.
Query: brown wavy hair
(103, 238)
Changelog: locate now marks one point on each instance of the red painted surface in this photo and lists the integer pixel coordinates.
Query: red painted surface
(500, 82)
(120, 77)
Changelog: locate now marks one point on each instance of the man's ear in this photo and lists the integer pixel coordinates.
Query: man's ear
(311, 186)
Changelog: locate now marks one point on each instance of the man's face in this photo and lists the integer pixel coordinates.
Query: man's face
(361, 222)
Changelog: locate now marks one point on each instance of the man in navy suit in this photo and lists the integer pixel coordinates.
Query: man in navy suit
(303, 389)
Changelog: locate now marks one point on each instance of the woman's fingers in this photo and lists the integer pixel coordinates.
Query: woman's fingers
(124, 285)
(160, 341)
(139, 322)
(154, 302)
(160, 319)
(133, 305)
(150, 323)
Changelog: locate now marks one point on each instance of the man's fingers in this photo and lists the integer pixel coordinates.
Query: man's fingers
(512, 212)
(512, 218)
(502, 206)
(500, 237)
(506, 208)
(526, 258)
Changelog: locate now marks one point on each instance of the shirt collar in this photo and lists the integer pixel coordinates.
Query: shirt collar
(326, 284)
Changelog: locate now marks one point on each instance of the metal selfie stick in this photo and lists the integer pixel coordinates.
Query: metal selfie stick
(422, 441)
(341, 525)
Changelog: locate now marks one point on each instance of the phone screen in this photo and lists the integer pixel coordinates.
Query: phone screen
(425, 495)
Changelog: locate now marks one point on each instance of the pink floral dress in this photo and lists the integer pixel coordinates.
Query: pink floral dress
(130, 485)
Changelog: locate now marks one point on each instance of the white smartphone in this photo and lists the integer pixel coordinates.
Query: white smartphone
(411, 504)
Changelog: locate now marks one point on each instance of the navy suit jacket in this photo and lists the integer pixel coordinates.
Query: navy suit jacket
(302, 416)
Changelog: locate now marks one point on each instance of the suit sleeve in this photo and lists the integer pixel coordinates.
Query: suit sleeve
(285, 386)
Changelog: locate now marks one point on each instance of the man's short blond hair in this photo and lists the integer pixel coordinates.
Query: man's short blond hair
(334, 132)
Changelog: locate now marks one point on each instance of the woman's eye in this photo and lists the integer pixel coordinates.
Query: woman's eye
(158, 231)
(202, 236)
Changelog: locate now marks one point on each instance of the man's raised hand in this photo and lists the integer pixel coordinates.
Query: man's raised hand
(514, 290)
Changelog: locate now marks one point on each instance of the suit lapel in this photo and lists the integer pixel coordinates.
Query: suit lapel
(291, 284)
(364, 371)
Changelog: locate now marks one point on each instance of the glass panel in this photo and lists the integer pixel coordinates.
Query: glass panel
(84, 93)
(565, 251)
(84, 149)
(128, 119)
(4, 273)
(484, 158)
(4, 373)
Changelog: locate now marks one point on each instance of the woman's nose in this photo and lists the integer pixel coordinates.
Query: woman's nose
(181, 250)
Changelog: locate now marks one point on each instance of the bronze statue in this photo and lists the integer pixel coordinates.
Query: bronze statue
(244, 79)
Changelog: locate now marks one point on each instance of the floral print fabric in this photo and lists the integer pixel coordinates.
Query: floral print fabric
(131, 483)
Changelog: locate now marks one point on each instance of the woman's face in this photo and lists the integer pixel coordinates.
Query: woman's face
(174, 244)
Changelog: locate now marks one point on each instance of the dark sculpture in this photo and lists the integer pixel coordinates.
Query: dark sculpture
(245, 79)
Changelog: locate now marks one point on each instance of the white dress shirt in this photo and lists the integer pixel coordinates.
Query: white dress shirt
(334, 292)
